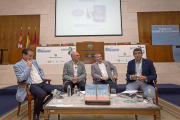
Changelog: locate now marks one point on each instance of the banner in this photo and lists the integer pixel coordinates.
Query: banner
(62, 54)
(20, 40)
(28, 39)
(54, 55)
(121, 53)
(167, 35)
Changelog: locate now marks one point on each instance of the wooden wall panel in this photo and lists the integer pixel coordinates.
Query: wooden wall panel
(10, 27)
(146, 19)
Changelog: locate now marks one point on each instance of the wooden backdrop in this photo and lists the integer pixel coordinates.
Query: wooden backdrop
(146, 19)
(10, 27)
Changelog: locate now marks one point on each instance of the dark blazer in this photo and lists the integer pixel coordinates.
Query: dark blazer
(148, 70)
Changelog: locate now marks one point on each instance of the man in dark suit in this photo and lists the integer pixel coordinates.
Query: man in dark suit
(74, 72)
(28, 70)
(140, 74)
(101, 71)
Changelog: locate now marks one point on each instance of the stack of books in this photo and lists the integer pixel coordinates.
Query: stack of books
(97, 94)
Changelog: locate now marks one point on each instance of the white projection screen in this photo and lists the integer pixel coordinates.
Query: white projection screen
(88, 17)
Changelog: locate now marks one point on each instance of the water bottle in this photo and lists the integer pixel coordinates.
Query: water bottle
(54, 92)
(108, 88)
(149, 97)
(75, 91)
(69, 91)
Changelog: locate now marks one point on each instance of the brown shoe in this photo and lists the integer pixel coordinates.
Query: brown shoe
(35, 117)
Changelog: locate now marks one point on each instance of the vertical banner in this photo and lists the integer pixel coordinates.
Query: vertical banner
(167, 35)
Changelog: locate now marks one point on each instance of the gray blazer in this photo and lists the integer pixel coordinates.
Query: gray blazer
(68, 71)
(23, 75)
(96, 72)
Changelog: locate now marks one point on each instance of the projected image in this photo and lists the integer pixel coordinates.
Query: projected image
(88, 17)
(97, 15)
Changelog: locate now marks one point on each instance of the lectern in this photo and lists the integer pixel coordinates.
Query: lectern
(87, 50)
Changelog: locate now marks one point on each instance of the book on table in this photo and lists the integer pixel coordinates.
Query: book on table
(97, 94)
(129, 94)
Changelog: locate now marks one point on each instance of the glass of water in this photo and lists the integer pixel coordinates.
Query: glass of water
(139, 96)
(113, 91)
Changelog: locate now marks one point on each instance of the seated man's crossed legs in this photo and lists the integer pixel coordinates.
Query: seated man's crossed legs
(143, 86)
(40, 91)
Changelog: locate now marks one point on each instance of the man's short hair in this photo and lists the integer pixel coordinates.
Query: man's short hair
(137, 49)
(96, 54)
(25, 51)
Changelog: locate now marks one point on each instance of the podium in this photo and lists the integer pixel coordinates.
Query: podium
(87, 50)
(1, 59)
(16, 54)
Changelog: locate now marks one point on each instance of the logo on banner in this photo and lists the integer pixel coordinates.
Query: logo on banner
(142, 48)
(111, 49)
(43, 51)
(90, 46)
(49, 61)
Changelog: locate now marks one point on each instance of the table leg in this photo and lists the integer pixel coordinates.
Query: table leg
(157, 115)
(58, 116)
(46, 114)
(1, 57)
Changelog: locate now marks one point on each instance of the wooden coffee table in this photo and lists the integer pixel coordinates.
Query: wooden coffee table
(74, 105)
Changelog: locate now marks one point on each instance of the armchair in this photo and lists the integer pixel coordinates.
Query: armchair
(29, 97)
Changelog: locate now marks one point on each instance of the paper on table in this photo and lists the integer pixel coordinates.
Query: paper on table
(130, 91)
(83, 92)
(62, 105)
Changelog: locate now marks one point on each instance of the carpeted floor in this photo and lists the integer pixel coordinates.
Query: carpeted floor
(169, 112)
(168, 94)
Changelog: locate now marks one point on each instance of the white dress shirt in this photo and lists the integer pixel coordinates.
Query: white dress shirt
(103, 70)
(36, 79)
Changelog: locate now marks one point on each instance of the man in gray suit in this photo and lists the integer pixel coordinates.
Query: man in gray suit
(74, 72)
(28, 70)
(101, 71)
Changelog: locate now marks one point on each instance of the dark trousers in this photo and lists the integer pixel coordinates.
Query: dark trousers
(40, 91)
(110, 82)
(80, 85)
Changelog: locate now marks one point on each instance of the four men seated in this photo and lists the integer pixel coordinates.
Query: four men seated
(140, 75)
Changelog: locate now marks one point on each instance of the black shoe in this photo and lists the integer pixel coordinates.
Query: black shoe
(35, 117)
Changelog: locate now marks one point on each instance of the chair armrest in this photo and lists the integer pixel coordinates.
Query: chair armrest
(27, 88)
(23, 83)
(47, 80)
(115, 79)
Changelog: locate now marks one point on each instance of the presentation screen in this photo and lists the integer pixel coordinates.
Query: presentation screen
(88, 17)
